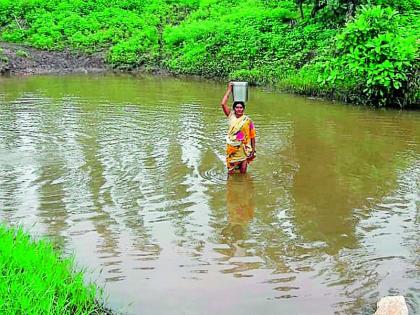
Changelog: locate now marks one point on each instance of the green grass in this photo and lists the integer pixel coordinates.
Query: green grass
(35, 279)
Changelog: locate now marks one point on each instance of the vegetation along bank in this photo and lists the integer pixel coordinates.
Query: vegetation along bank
(360, 51)
(36, 280)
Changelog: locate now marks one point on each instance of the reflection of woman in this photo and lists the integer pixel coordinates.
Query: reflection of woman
(240, 205)
(240, 139)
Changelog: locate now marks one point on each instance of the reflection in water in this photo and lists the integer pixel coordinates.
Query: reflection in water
(129, 173)
(239, 259)
(240, 205)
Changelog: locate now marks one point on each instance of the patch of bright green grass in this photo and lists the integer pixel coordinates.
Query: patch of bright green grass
(34, 279)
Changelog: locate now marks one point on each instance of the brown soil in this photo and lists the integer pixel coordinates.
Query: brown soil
(18, 59)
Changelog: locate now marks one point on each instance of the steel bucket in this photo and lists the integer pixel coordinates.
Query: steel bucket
(240, 91)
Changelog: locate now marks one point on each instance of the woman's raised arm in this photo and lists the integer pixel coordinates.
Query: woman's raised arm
(225, 98)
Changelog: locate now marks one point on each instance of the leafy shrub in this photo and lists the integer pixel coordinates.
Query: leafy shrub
(304, 81)
(21, 53)
(3, 59)
(140, 48)
(401, 6)
(376, 58)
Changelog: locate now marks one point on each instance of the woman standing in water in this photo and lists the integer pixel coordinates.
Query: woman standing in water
(240, 139)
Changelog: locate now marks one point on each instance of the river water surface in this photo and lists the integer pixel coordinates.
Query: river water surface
(128, 174)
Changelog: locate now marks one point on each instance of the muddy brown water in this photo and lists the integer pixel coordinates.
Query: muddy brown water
(127, 173)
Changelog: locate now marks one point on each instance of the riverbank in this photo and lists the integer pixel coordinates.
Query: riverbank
(37, 280)
(17, 59)
(20, 59)
(25, 60)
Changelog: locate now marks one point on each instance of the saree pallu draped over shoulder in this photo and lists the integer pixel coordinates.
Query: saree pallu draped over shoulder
(238, 141)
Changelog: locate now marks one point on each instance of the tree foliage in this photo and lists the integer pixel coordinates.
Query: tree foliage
(377, 58)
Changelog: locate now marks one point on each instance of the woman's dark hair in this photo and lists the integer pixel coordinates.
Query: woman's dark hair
(237, 103)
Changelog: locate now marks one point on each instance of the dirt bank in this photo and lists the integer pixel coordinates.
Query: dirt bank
(18, 59)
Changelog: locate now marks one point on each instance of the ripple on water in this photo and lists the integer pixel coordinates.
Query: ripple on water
(215, 175)
(29, 100)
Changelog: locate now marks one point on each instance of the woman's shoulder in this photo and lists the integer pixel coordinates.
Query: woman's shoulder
(247, 117)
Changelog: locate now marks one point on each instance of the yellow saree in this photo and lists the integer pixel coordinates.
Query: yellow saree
(238, 141)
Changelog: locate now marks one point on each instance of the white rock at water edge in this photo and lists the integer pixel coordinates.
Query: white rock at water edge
(392, 305)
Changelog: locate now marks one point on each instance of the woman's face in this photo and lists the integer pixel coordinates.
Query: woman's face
(239, 110)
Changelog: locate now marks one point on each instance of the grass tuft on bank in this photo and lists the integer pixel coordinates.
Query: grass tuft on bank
(35, 279)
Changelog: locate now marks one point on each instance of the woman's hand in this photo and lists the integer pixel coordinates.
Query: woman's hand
(230, 87)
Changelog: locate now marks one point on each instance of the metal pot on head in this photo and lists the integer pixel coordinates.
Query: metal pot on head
(240, 91)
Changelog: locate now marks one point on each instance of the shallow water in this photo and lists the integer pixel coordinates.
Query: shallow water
(128, 174)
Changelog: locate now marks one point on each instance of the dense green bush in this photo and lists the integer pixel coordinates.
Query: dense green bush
(128, 30)
(227, 37)
(375, 57)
